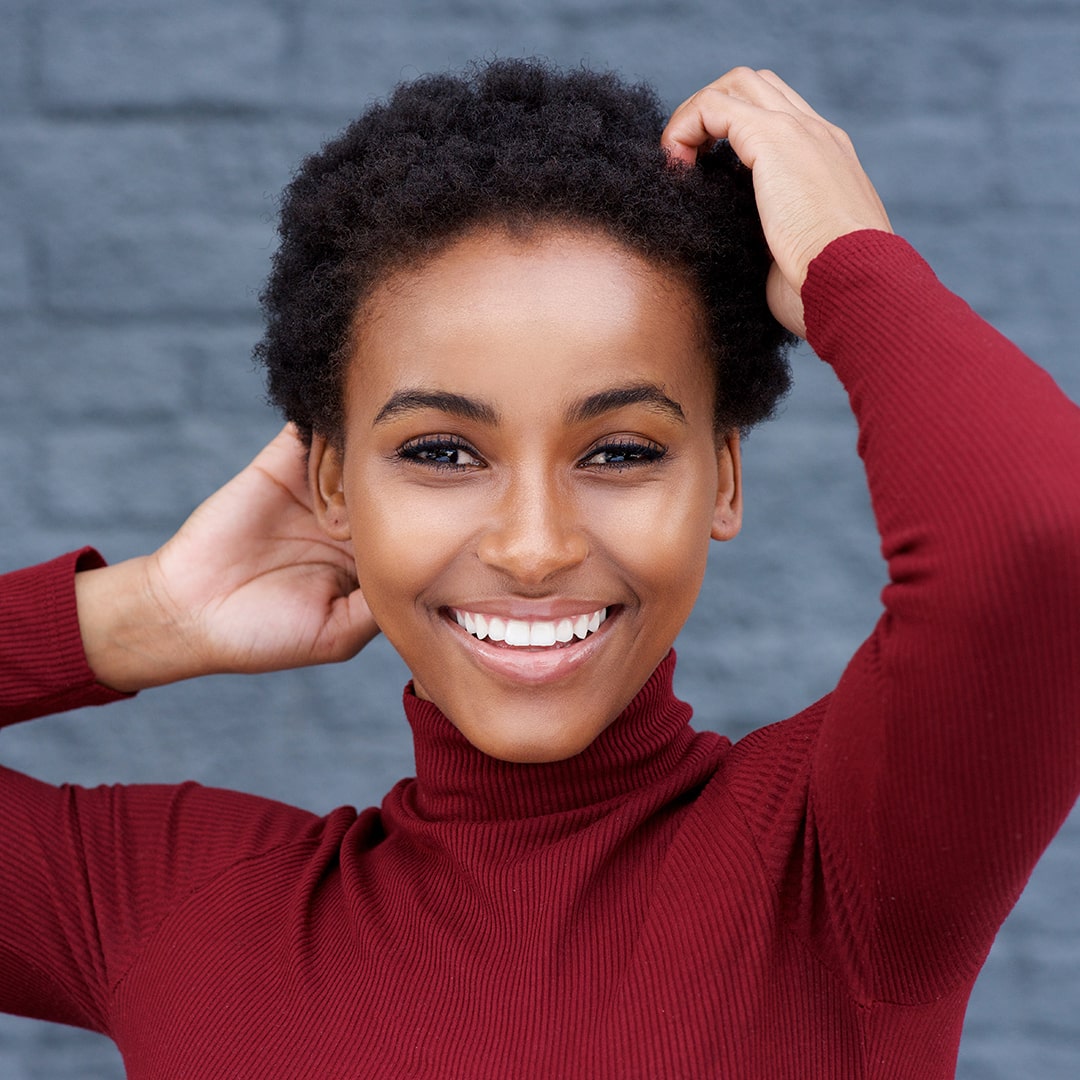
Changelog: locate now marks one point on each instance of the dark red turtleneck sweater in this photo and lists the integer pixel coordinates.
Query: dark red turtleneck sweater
(812, 902)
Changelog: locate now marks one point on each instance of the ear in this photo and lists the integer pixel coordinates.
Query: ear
(727, 515)
(325, 481)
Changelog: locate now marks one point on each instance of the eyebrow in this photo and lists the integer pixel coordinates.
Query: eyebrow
(407, 401)
(618, 397)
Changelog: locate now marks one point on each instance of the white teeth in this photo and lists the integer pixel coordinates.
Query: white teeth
(522, 632)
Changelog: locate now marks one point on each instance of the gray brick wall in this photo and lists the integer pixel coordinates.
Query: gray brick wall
(141, 145)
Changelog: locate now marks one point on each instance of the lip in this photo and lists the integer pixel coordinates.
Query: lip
(532, 665)
(533, 610)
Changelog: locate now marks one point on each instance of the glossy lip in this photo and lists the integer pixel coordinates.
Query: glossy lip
(532, 665)
(533, 610)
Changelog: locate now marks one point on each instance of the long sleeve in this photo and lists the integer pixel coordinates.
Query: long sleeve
(87, 876)
(949, 754)
(42, 665)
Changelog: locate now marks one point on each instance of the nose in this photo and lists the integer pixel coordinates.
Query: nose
(535, 532)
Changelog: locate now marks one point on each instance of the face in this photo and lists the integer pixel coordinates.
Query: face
(530, 478)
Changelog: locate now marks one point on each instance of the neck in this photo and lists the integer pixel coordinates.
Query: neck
(456, 781)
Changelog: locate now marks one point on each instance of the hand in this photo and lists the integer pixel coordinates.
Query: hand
(809, 185)
(250, 583)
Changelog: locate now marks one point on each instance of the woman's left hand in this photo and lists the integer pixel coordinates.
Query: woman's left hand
(809, 185)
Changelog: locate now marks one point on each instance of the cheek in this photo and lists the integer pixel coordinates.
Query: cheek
(404, 537)
(661, 535)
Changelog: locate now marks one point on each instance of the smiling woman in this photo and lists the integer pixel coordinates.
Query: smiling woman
(560, 463)
(517, 328)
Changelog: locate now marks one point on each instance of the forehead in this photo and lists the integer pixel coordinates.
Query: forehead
(495, 311)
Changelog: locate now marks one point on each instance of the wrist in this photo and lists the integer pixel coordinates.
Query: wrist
(129, 641)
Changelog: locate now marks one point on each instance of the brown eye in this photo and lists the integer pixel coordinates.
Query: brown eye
(623, 454)
(440, 452)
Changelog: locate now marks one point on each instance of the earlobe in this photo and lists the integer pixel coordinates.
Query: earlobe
(325, 479)
(727, 514)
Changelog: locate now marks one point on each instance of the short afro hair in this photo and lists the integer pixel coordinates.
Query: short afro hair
(513, 144)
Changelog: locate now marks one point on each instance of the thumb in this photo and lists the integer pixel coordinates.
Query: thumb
(785, 302)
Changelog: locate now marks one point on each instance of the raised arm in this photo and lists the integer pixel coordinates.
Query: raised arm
(950, 752)
(250, 583)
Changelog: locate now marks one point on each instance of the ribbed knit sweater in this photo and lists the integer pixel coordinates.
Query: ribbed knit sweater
(813, 902)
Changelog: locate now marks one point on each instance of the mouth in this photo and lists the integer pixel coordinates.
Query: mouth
(532, 651)
(530, 633)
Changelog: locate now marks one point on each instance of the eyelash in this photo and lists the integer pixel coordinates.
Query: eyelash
(423, 451)
(416, 449)
(633, 452)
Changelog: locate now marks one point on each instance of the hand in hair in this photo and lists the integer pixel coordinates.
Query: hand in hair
(250, 583)
(809, 185)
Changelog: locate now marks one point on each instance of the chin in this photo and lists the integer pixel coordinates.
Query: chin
(535, 743)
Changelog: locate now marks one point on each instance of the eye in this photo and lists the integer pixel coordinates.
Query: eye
(440, 452)
(623, 453)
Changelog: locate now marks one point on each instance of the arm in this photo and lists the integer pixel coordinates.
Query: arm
(248, 584)
(950, 751)
(959, 714)
(43, 667)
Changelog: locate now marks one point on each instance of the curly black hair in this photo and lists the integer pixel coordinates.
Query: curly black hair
(512, 143)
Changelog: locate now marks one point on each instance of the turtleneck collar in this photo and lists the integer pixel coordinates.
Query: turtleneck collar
(455, 781)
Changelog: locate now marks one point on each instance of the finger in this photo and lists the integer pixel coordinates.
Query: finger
(706, 116)
(793, 96)
(717, 114)
(283, 461)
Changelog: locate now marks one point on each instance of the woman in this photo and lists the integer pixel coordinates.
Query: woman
(519, 369)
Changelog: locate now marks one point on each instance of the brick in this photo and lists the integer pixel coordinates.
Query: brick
(150, 266)
(93, 475)
(104, 55)
(929, 161)
(938, 65)
(74, 170)
(17, 383)
(14, 266)
(1041, 162)
(1013, 268)
(60, 373)
(227, 378)
(345, 62)
(17, 486)
(1041, 74)
(112, 371)
(965, 10)
(13, 54)
(140, 473)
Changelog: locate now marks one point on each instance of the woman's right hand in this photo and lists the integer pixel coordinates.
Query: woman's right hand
(250, 583)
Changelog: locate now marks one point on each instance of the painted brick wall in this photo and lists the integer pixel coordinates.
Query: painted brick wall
(141, 145)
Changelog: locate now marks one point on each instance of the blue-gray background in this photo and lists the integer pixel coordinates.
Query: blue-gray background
(141, 147)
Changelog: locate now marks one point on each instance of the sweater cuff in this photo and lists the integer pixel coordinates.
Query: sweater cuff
(43, 667)
(846, 282)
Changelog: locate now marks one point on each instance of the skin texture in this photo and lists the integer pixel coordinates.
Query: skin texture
(524, 509)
